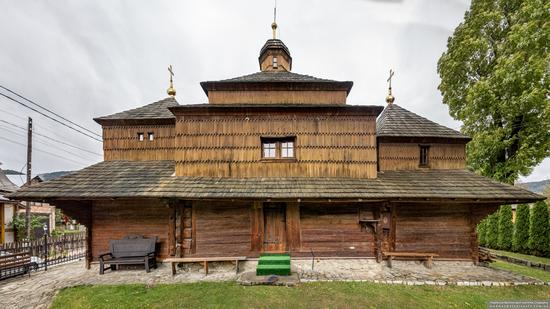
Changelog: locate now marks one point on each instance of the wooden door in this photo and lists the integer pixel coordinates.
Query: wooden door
(274, 227)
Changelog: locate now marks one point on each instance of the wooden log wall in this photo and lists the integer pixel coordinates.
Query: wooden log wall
(122, 143)
(404, 156)
(334, 230)
(230, 145)
(118, 218)
(444, 229)
(222, 228)
(277, 97)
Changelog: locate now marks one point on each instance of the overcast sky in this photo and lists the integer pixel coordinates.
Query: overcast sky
(85, 59)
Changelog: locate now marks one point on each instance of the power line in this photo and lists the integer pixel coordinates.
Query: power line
(52, 139)
(44, 151)
(47, 145)
(14, 115)
(49, 117)
(42, 107)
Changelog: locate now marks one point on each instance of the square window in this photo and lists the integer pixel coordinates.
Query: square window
(140, 136)
(269, 150)
(278, 147)
(287, 149)
(151, 136)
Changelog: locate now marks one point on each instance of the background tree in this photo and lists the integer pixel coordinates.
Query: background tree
(505, 227)
(492, 231)
(482, 233)
(539, 229)
(495, 79)
(521, 229)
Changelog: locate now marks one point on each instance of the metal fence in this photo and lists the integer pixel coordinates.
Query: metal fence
(20, 257)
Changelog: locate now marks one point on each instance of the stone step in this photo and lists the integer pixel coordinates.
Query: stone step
(266, 270)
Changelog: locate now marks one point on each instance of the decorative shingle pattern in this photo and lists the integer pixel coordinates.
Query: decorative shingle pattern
(156, 110)
(399, 122)
(128, 179)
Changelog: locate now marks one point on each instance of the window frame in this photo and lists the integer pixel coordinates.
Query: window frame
(141, 136)
(150, 136)
(278, 141)
(424, 153)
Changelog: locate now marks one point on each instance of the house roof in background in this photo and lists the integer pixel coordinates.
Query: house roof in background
(154, 179)
(5, 184)
(395, 121)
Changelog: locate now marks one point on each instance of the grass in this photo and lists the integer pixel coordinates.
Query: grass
(522, 270)
(306, 295)
(532, 258)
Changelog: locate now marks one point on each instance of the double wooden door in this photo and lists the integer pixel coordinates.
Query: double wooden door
(274, 227)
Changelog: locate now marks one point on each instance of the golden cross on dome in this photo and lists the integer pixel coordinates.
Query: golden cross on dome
(390, 98)
(171, 91)
(274, 24)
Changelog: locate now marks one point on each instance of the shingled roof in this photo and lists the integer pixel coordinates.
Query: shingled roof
(154, 179)
(154, 111)
(275, 78)
(396, 121)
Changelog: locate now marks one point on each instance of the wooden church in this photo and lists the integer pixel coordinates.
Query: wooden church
(279, 162)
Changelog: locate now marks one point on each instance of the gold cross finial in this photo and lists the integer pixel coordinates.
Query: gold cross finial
(274, 24)
(390, 98)
(171, 90)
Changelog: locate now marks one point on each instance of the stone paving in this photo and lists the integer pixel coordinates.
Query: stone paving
(38, 290)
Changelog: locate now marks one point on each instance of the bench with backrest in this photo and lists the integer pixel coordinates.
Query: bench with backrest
(15, 263)
(205, 261)
(428, 257)
(131, 250)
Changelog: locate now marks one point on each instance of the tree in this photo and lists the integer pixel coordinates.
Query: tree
(492, 231)
(482, 233)
(521, 230)
(539, 229)
(495, 79)
(505, 227)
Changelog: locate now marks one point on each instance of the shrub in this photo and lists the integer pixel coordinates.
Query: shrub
(492, 231)
(539, 229)
(521, 231)
(18, 223)
(482, 233)
(505, 227)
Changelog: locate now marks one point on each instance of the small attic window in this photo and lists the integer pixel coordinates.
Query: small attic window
(275, 63)
(151, 136)
(424, 155)
(140, 136)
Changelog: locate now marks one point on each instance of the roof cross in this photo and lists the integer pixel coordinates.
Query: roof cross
(171, 91)
(390, 98)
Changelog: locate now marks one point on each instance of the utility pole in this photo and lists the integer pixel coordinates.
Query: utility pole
(29, 169)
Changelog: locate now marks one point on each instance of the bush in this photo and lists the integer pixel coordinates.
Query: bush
(18, 223)
(482, 233)
(505, 227)
(520, 242)
(492, 231)
(539, 229)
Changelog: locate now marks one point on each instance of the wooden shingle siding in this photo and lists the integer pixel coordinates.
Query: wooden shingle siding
(403, 156)
(277, 97)
(222, 228)
(116, 219)
(230, 146)
(438, 228)
(121, 143)
(333, 231)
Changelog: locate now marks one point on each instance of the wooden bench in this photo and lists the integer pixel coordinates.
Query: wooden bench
(15, 263)
(205, 261)
(428, 257)
(130, 250)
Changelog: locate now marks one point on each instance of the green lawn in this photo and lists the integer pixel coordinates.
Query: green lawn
(306, 295)
(532, 258)
(522, 270)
